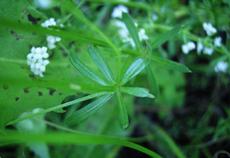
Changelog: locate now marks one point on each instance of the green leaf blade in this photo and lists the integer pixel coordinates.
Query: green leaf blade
(124, 119)
(101, 64)
(126, 18)
(84, 70)
(88, 110)
(137, 91)
(134, 69)
(152, 81)
(78, 138)
(169, 64)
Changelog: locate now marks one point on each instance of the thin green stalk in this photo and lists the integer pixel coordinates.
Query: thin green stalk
(56, 107)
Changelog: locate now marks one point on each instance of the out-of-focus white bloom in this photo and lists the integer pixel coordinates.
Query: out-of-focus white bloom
(124, 33)
(209, 29)
(187, 47)
(200, 47)
(142, 35)
(218, 41)
(221, 66)
(52, 40)
(48, 23)
(37, 60)
(208, 51)
(43, 3)
(118, 10)
(154, 17)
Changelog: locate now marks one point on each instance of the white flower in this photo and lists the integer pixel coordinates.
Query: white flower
(221, 66)
(52, 40)
(37, 60)
(49, 22)
(187, 47)
(200, 47)
(142, 35)
(118, 10)
(43, 3)
(208, 51)
(218, 41)
(209, 29)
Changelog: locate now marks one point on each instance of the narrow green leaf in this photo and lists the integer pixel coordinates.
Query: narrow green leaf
(84, 70)
(101, 64)
(134, 69)
(159, 40)
(137, 91)
(78, 138)
(132, 29)
(54, 108)
(124, 118)
(152, 81)
(75, 35)
(87, 110)
(169, 64)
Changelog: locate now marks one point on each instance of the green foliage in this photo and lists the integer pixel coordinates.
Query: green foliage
(104, 84)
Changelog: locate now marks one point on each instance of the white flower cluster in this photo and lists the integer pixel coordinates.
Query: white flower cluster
(37, 60)
(48, 23)
(51, 40)
(221, 66)
(118, 10)
(187, 47)
(210, 30)
(122, 29)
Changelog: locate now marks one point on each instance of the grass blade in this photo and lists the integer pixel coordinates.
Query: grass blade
(132, 29)
(77, 138)
(134, 69)
(137, 91)
(84, 70)
(124, 119)
(101, 64)
(87, 110)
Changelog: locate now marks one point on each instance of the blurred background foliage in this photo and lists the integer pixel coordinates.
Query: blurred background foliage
(190, 117)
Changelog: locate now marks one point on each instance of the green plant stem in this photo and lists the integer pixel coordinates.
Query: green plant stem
(57, 107)
(193, 37)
